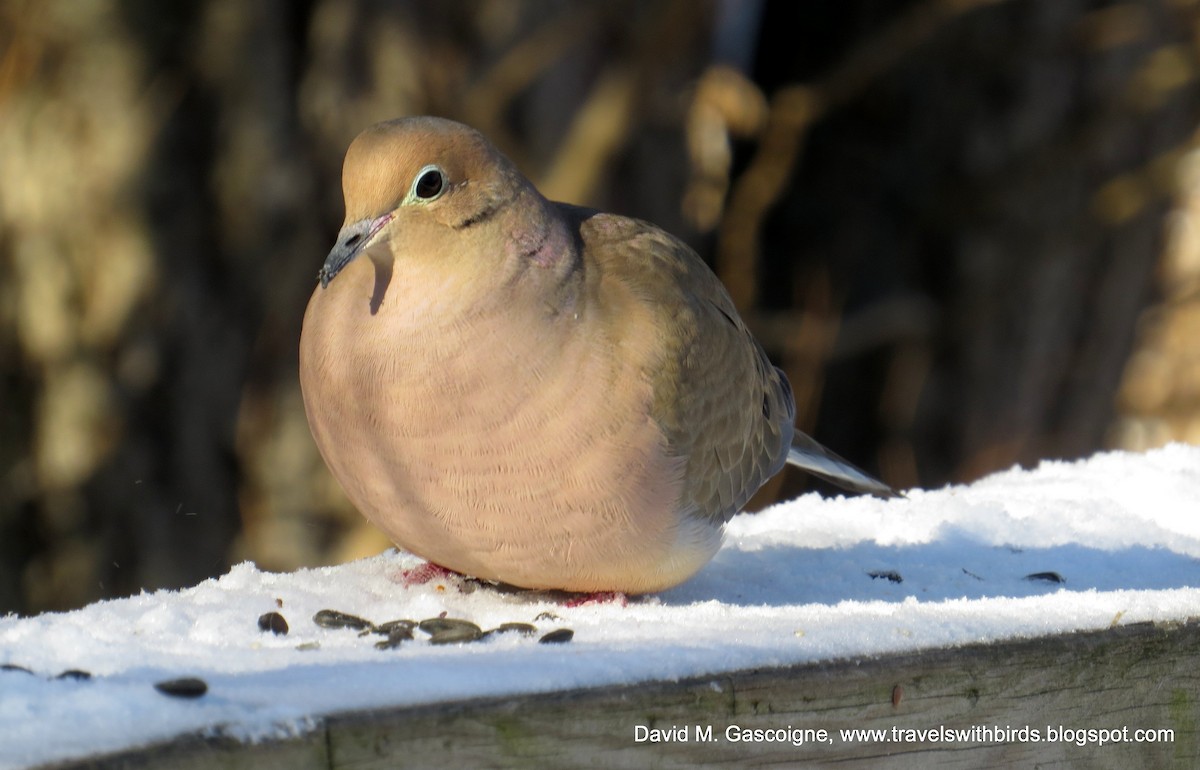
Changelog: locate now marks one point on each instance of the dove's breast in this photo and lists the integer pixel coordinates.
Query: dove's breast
(512, 446)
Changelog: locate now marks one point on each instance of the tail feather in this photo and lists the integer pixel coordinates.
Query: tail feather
(807, 454)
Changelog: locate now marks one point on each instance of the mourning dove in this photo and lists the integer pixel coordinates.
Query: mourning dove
(530, 392)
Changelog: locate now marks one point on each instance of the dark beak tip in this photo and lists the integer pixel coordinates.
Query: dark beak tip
(333, 265)
(351, 242)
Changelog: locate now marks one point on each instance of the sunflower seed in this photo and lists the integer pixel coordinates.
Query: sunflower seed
(524, 629)
(398, 635)
(387, 628)
(273, 622)
(557, 636)
(438, 625)
(186, 687)
(456, 635)
(336, 619)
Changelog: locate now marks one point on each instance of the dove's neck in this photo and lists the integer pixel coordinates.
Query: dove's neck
(543, 252)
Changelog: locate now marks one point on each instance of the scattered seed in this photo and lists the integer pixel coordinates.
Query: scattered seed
(14, 667)
(891, 575)
(306, 646)
(387, 628)
(456, 635)
(273, 622)
(186, 687)
(441, 629)
(440, 624)
(1048, 577)
(336, 619)
(394, 639)
(524, 629)
(76, 674)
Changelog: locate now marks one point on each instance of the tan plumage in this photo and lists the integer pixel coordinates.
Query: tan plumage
(531, 392)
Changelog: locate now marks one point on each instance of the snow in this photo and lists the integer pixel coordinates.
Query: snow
(792, 584)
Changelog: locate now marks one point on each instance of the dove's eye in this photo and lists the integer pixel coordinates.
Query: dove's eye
(429, 184)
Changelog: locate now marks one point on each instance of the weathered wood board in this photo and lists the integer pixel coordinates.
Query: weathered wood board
(1123, 679)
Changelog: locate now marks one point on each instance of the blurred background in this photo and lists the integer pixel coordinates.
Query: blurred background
(966, 228)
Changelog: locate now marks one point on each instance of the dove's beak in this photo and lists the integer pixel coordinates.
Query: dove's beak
(351, 241)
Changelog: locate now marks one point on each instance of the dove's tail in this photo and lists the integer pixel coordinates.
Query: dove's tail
(807, 454)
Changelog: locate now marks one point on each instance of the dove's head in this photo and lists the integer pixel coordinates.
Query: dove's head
(433, 200)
